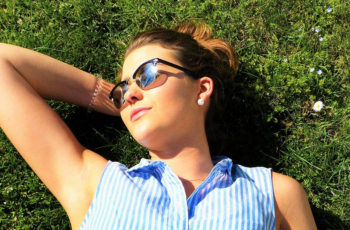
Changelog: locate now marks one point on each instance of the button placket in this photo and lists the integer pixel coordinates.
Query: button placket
(178, 216)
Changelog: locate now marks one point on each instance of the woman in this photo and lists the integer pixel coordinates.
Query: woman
(178, 74)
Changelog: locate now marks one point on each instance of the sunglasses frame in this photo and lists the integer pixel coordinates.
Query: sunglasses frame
(154, 61)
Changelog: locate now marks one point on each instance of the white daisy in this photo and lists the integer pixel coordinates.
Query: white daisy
(318, 106)
(319, 72)
(329, 9)
(285, 60)
(312, 70)
(321, 39)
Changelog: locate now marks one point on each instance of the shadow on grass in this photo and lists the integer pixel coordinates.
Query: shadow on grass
(96, 131)
(247, 136)
(326, 220)
(252, 141)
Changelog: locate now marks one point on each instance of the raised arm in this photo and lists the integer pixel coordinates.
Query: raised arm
(56, 80)
(69, 170)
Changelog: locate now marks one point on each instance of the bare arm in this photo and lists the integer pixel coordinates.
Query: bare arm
(69, 170)
(291, 205)
(56, 80)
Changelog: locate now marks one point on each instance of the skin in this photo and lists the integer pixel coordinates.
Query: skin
(69, 170)
(172, 128)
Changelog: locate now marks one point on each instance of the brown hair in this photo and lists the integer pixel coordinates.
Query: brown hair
(197, 51)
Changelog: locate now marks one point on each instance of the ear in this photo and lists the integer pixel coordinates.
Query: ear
(206, 86)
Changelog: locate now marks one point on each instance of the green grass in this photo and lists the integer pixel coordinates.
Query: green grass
(269, 119)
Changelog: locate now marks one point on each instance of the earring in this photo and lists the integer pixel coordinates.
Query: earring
(200, 101)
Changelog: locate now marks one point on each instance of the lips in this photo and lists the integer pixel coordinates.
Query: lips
(138, 112)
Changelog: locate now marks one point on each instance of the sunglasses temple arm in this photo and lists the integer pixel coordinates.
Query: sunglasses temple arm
(187, 71)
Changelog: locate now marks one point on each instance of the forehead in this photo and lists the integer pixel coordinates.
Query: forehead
(143, 54)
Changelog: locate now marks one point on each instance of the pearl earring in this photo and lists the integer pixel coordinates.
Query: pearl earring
(200, 101)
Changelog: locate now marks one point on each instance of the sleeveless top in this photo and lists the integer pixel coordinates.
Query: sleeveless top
(150, 196)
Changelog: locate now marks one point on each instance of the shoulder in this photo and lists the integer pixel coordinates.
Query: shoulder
(292, 208)
(259, 177)
(100, 178)
(76, 199)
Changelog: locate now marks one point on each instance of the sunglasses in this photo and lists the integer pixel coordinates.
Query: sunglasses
(146, 76)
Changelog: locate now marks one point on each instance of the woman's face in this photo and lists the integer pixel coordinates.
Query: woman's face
(165, 115)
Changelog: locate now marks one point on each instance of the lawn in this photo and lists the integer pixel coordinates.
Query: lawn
(292, 54)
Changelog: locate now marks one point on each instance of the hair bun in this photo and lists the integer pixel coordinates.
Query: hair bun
(199, 31)
(202, 33)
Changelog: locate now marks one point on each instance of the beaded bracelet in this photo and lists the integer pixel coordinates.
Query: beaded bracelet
(92, 102)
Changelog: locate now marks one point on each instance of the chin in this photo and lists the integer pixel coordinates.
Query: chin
(143, 134)
(151, 137)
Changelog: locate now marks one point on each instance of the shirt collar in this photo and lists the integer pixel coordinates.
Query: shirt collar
(146, 165)
(221, 163)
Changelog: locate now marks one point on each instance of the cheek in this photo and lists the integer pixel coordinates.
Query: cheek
(173, 95)
(174, 108)
(172, 111)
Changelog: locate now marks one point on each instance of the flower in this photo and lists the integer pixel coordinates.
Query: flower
(319, 72)
(321, 39)
(313, 29)
(312, 70)
(317, 30)
(329, 9)
(4, 202)
(285, 60)
(318, 106)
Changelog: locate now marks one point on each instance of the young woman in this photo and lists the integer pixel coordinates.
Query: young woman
(167, 95)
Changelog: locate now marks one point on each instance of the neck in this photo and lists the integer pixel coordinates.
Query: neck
(186, 154)
(190, 164)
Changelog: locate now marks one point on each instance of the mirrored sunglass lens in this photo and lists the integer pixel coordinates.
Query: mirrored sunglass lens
(146, 75)
(118, 95)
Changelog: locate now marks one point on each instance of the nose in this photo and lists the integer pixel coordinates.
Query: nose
(134, 93)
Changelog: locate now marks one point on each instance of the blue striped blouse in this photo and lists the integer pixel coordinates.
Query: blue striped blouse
(150, 196)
